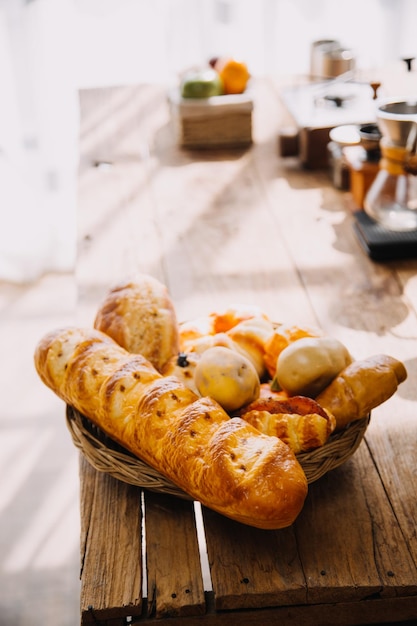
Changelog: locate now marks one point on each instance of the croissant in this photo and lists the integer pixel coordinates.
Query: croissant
(298, 421)
(362, 386)
(224, 463)
(140, 316)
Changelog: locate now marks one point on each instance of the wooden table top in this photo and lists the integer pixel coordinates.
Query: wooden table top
(245, 226)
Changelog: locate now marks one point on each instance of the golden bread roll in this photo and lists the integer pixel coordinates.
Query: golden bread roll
(198, 345)
(250, 337)
(298, 421)
(243, 328)
(228, 377)
(308, 365)
(183, 367)
(140, 316)
(215, 323)
(362, 386)
(247, 337)
(222, 321)
(224, 463)
(194, 329)
(283, 336)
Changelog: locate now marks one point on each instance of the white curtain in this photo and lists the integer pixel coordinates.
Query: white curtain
(38, 139)
(51, 48)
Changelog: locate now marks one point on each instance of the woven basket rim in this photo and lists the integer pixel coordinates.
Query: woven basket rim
(107, 456)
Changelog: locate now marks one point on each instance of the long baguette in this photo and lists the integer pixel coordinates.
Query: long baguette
(224, 463)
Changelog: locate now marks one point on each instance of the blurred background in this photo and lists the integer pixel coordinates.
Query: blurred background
(49, 50)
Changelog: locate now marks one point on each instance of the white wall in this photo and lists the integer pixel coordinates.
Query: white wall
(161, 37)
(39, 142)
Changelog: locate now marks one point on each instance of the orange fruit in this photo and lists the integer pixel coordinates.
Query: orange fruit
(234, 74)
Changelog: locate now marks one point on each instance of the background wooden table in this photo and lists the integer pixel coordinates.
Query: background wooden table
(246, 227)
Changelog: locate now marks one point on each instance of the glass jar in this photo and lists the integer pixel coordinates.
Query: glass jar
(392, 197)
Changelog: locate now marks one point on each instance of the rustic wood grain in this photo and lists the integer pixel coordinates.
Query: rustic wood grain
(377, 612)
(349, 542)
(112, 560)
(252, 568)
(174, 579)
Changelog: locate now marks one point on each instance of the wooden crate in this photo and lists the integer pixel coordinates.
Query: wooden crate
(220, 121)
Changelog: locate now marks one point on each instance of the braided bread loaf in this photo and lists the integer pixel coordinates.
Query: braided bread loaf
(224, 463)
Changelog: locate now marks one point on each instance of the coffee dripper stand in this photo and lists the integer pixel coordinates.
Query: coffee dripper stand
(387, 225)
(392, 197)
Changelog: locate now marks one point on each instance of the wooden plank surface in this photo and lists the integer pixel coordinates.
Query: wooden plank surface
(344, 614)
(345, 545)
(111, 571)
(356, 549)
(251, 567)
(174, 579)
(246, 226)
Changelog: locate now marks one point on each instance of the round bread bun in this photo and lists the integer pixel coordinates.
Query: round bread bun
(140, 316)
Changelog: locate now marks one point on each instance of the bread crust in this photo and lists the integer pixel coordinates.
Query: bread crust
(224, 463)
(247, 336)
(362, 386)
(140, 316)
(298, 421)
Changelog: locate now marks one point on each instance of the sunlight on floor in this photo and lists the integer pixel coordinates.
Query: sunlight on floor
(39, 508)
(50, 538)
(19, 454)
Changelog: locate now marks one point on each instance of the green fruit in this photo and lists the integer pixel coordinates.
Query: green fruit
(201, 84)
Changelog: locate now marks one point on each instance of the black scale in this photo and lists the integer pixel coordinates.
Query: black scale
(381, 244)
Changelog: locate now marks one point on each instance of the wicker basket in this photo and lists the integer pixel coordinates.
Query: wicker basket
(107, 456)
(217, 122)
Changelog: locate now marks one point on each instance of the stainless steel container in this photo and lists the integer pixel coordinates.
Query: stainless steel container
(330, 59)
(396, 118)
